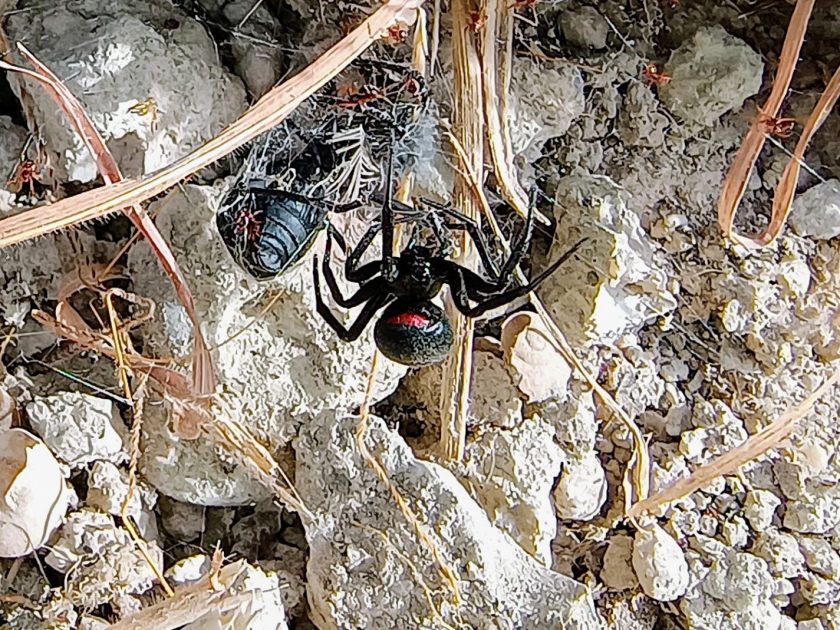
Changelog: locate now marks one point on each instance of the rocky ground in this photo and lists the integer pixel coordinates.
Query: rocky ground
(626, 116)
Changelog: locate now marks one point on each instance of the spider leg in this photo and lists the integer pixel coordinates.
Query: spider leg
(475, 287)
(377, 301)
(518, 248)
(473, 229)
(460, 291)
(362, 295)
(352, 270)
(389, 264)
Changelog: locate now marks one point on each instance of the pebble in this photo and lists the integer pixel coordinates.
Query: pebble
(759, 508)
(659, 564)
(584, 28)
(816, 212)
(713, 73)
(617, 572)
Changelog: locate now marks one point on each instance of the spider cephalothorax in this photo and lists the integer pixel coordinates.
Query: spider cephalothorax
(412, 330)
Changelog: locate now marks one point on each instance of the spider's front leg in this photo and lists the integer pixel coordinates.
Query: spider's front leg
(458, 220)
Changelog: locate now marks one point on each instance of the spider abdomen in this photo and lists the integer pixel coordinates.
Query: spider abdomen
(267, 231)
(413, 333)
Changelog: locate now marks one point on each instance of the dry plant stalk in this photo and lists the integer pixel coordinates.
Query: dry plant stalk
(469, 130)
(728, 463)
(238, 441)
(416, 574)
(637, 474)
(266, 113)
(117, 334)
(499, 15)
(446, 572)
(735, 183)
(189, 603)
(202, 369)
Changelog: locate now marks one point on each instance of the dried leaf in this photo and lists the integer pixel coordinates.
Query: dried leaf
(540, 371)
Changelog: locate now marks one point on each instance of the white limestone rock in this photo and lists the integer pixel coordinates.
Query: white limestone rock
(511, 472)
(367, 565)
(760, 507)
(101, 562)
(34, 496)
(781, 552)
(582, 489)
(816, 212)
(544, 100)
(712, 73)
(79, 428)
(584, 27)
(107, 489)
(113, 57)
(616, 282)
(735, 594)
(659, 564)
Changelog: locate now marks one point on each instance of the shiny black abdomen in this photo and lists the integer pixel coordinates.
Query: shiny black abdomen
(268, 230)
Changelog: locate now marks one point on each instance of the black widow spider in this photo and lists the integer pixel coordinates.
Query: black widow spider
(412, 330)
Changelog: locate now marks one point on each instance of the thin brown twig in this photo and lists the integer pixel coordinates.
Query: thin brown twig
(735, 183)
(124, 373)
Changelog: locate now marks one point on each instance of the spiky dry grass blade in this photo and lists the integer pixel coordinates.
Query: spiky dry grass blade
(266, 113)
(238, 441)
(728, 463)
(735, 183)
(468, 128)
(189, 603)
(204, 381)
(138, 400)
